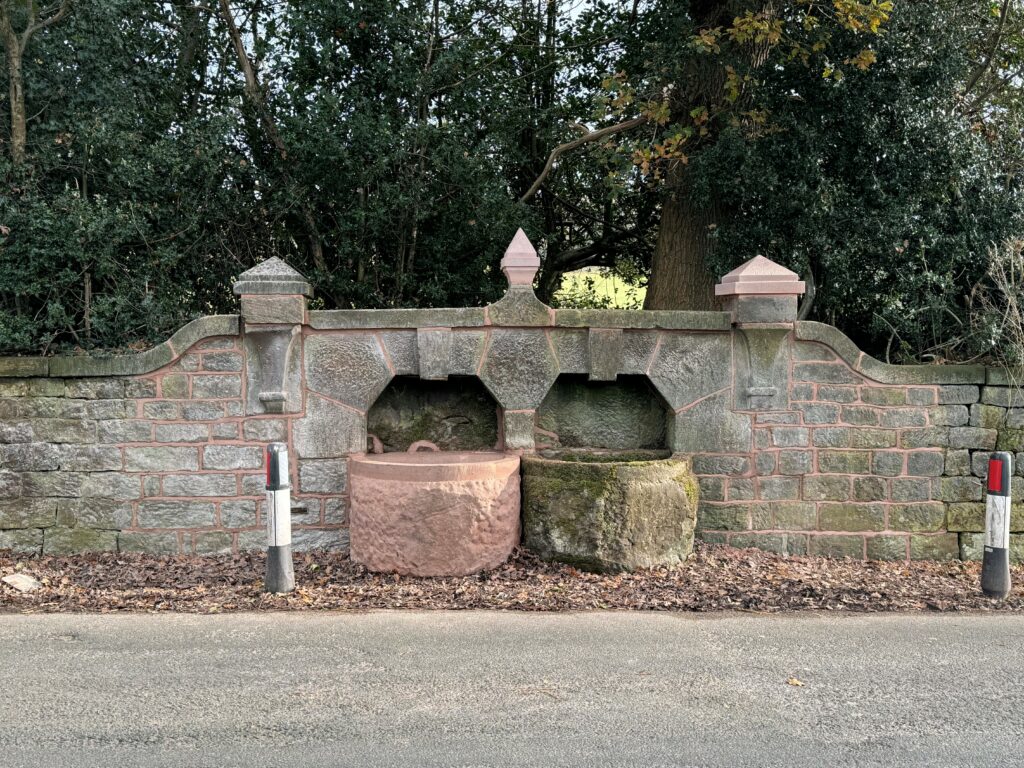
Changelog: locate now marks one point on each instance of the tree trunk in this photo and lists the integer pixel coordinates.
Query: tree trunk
(19, 133)
(680, 278)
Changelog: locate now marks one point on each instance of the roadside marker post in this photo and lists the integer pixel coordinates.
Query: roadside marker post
(280, 576)
(995, 566)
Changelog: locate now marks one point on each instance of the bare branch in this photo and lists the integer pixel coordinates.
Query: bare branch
(561, 149)
(982, 68)
(50, 16)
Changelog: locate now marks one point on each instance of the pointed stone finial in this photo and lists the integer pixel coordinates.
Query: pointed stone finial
(273, 276)
(520, 262)
(761, 291)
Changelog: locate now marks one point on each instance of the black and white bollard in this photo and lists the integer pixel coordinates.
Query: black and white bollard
(995, 566)
(280, 571)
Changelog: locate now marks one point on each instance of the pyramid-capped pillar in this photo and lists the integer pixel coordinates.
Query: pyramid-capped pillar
(520, 262)
(273, 292)
(520, 305)
(761, 291)
(273, 297)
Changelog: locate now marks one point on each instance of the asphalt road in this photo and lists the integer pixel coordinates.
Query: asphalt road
(493, 689)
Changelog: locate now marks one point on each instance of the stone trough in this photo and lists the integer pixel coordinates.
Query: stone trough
(437, 513)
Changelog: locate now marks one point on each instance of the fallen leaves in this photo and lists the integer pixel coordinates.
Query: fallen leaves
(794, 682)
(714, 579)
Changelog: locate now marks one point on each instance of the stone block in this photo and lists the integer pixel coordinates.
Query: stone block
(255, 540)
(238, 513)
(779, 488)
(801, 391)
(887, 547)
(987, 416)
(265, 430)
(52, 483)
(64, 431)
(957, 462)
(518, 430)
(124, 431)
(928, 437)
(182, 433)
(434, 351)
(911, 489)
(107, 514)
(30, 456)
(111, 485)
(160, 459)
(789, 437)
(519, 368)
(710, 426)
(1007, 397)
(779, 543)
(795, 515)
(467, 352)
(199, 485)
(604, 353)
(883, 395)
(691, 366)
(202, 411)
(961, 489)
(28, 513)
(95, 389)
(216, 386)
(861, 415)
(350, 368)
(926, 516)
(844, 462)
(232, 457)
(869, 489)
(176, 514)
(826, 488)
(150, 543)
(66, 541)
(263, 309)
(213, 543)
(903, 417)
(741, 489)
(925, 463)
(174, 386)
(729, 516)
(941, 546)
(712, 488)
(796, 462)
(818, 413)
(323, 476)
(227, 430)
(836, 546)
(958, 394)
(837, 394)
(887, 463)
(832, 437)
(721, 465)
(921, 396)
(973, 438)
(850, 516)
(765, 463)
(25, 540)
(89, 458)
(825, 373)
(10, 484)
(869, 437)
(310, 539)
(273, 371)
(161, 409)
(809, 351)
(222, 362)
(761, 379)
(571, 349)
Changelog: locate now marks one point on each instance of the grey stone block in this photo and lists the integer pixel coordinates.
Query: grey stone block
(795, 515)
(987, 416)
(519, 368)
(869, 489)
(434, 350)
(825, 373)
(401, 350)
(64, 431)
(884, 395)
(238, 513)
(467, 352)
(972, 437)
(160, 459)
(232, 457)
(637, 350)
(903, 417)
(336, 511)
(845, 462)
(323, 476)
(940, 546)
(887, 463)
(826, 488)
(161, 409)
(921, 396)
(860, 414)
(350, 368)
(837, 394)
(308, 539)
(688, 367)
(832, 437)
(329, 430)
(961, 489)
(911, 489)
(216, 386)
(520, 307)
(604, 352)
(887, 547)
(176, 514)
(89, 458)
(765, 463)
(25, 540)
(150, 543)
(203, 411)
(851, 517)
(224, 431)
(779, 488)
(30, 456)
(796, 462)
(571, 350)
(65, 541)
(10, 484)
(107, 514)
(711, 426)
(213, 543)
(1007, 397)
(518, 430)
(808, 351)
(818, 413)
(52, 483)
(124, 431)
(95, 389)
(200, 485)
(926, 463)
(963, 394)
(740, 489)
(111, 485)
(28, 513)
(265, 430)
(836, 546)
(789, 437)
(182, 433)
(927, 437)
(175, 386)
(721, 465)
(868, 437)
(222, 361)
(712, 488)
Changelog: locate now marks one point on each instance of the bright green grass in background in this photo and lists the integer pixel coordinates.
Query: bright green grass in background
(599, 288)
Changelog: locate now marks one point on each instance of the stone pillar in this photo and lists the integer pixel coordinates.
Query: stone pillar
(273, 298)
(762, 298)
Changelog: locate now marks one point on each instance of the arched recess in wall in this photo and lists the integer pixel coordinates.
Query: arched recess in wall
(455, 415)
(627, 413)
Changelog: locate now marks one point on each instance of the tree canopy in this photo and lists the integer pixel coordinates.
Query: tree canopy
(388, 149)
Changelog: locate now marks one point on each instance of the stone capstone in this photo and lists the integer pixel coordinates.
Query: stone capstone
(609, 511)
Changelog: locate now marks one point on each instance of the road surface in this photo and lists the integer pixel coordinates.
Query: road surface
(505, 689)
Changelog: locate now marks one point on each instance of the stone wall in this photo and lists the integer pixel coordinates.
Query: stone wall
(803, 444)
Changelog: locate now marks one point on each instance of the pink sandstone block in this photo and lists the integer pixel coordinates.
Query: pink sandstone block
(433, 514)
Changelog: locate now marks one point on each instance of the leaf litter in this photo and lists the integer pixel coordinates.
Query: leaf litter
(714, 578)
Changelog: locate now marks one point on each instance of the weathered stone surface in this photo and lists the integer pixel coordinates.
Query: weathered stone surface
(30, 456)
(27, 540)
(199, 485)
(64, 541)
(795, 515)
(571, 349)
(903, 417)
(780, 543)
(796, 462)
(264, 309)
(160, 459)
(921, 396)
(928, 437)
(887, 463)
(779, 488)
(28, 513)
(434, 351)
(604, 353)
(712, 488)
(884, 395)
(590, 414)
(710, 426)
(826, 488)
(789, 437)
(941, 546)
(401, 349)
(911, 489)
(151, 543)
(733, 516)
(95, 389)
(349, 368)
(273, 372)
(825, 373)
(124, 431)
(89, 458)
(111, 485)
(212, 543)
(323, 476)
(846, 462)
(887, 547)
(238, 513)
(851, 517)
(329, 430)
(691, 366)
(638, 350)
(1007, 397)
(161, 409)
(741, 489)
(176, 514)
(927, 516)
(837, 394)
(107, 514)
(603, 514)
(52, 483)
(10, 484)
(307, 539)
(836, 546)
(870, 489)
(721, 465)
(520, 307)
(202, 411)
(762, 368)
(459, 415)
(434, 514)
(963, 394)
(182, 433)
(222, 361)
(961, 489)
(519, 368)
(467, 352)
(265, 430)
(925, 463)
(216, 386)
(232, 457)
(174, 385)
(987, 416)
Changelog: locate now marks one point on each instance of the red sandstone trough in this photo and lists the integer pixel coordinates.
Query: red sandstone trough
(434, 513)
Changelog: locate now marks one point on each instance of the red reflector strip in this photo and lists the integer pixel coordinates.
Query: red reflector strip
(995, 475)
